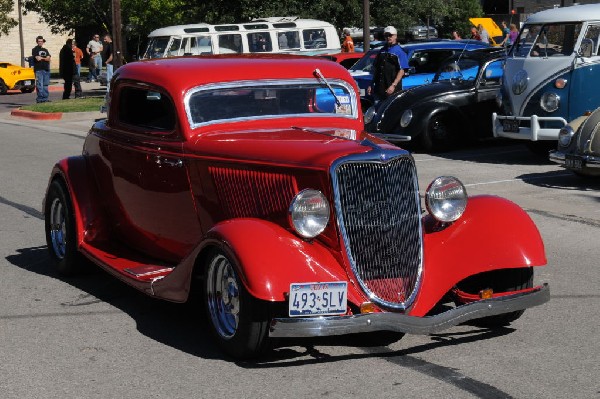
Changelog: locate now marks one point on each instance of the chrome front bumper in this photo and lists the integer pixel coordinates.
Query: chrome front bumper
(589, 161)
(370, 322)
(533, 133)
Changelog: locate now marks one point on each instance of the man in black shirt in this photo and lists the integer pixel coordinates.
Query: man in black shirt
(68, 70)
(41, 67)
(107, 57)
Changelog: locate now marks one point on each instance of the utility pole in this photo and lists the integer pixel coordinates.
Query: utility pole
(21, 42)
(117, 34)
(366, 28)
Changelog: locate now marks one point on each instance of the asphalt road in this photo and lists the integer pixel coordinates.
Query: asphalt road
(93, 337)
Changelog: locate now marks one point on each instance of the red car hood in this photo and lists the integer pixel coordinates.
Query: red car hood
(316, 148)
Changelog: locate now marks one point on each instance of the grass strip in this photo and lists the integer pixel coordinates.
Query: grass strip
(72, 105)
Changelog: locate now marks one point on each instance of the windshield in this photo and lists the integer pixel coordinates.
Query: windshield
(549, 40)
(156, 47)
(270, 100)
(458, 69)
(365, 64)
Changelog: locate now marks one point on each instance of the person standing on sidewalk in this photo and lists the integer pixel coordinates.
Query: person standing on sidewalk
(94, 50)
(78, 57)
(41, 67)
(68, 70)
(107, 57)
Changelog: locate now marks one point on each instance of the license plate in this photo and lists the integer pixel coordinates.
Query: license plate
(510, 125)
(573, 162)
(27, 82)
(318, 299)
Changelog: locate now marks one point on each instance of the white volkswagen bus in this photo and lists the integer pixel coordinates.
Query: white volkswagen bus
(551, 75)
(268, 35)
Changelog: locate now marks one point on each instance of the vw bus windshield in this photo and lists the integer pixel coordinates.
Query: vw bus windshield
(157, 46)
(546, 40)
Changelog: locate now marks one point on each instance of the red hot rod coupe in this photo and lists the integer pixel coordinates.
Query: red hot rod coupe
(251, 180)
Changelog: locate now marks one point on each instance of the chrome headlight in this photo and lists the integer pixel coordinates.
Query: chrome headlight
(369, 114)
(446, 198)
(309, 213)
(550, 102)
(406, 118)
(519, 83)
(564, 136)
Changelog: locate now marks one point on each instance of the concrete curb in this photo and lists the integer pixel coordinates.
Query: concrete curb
(37, 115)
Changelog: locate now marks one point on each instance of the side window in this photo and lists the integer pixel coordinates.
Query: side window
(428, 61)
(146, 109)
(202, 45)
(314, 38)
(259, 42)
(593, 33)
(288, 40)
(229, 44)
(174, 48)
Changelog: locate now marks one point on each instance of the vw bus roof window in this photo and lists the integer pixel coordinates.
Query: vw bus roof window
(547, 40)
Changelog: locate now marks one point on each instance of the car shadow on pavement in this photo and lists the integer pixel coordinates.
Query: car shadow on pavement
(493, 152)
(564, 180)
(180, 326)
(184, 326)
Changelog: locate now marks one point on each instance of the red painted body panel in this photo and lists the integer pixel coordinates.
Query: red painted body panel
(493, 233)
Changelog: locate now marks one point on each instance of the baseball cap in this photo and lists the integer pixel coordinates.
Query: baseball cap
(391, 30)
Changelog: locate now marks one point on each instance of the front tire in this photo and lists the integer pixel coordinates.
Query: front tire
(61, 236)
(238, 322)
(28, 90)
(3, 87)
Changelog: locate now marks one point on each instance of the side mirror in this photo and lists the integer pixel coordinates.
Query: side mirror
(586, 49)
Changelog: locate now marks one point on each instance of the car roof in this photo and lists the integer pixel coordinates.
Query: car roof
(584, 12)
(179, 74)
(439, 44)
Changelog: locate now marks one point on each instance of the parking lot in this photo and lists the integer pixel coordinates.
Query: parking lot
(94, 337)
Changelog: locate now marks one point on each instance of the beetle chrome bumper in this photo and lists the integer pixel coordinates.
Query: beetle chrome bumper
(370, 322)
(589, 161)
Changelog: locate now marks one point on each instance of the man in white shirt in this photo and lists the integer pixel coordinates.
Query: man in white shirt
(94, 50)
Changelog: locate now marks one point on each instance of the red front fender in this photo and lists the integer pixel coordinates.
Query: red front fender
(494, 233)
(270, 258)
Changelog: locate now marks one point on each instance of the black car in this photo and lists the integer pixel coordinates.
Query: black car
(458, 104)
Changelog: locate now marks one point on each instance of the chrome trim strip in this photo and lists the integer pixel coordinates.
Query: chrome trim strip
(370, 322)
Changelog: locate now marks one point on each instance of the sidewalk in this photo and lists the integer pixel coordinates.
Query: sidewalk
(70, 122)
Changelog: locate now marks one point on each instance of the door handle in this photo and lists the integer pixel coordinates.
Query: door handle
(168, 161)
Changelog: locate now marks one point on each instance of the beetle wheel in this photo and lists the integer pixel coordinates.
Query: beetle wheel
(238, 324)
(61, 237)
(438, 135)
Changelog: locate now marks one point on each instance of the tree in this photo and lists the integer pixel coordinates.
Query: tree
(6, 22)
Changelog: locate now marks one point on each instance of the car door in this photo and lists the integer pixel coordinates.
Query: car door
(146, 186)
(487, 88)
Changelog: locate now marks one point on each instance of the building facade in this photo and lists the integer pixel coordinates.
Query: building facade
(10, 47)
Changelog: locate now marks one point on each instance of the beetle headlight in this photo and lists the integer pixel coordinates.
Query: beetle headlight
(446, 198)
(406, 118)
(564, 136)
(369, 114)
(519, 83)
(309, 213)
(550, 102)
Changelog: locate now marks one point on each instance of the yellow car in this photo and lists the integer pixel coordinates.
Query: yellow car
(14, 77)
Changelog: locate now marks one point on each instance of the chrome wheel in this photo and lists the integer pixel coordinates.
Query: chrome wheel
(58, 228)
(223, 296)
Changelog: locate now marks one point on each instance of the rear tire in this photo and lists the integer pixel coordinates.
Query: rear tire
(238, 322)
(438, 136)
(3, 87)
(61, 236)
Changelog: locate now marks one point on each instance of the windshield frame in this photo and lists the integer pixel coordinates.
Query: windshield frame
(271, 83)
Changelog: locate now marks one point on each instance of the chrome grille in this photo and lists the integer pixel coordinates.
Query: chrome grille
(378, 210)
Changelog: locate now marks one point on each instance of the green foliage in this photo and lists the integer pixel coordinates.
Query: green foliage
(89, 104)
(140, 17)
(6, 22)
